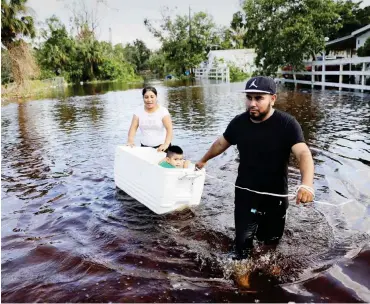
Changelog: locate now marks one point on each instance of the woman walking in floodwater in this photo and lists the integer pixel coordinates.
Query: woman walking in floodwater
(154, 122)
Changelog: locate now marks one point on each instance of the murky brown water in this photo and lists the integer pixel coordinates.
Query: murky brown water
(68, 235)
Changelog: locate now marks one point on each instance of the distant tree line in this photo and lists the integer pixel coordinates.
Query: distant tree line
(281, 32)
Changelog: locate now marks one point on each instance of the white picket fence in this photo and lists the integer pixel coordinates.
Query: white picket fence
(222, 73)
(360, 75)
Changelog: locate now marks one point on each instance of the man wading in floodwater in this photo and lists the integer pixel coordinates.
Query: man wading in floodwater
(264, 137)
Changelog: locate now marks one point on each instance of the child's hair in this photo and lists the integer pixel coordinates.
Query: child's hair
(174, 150)
(152, 89)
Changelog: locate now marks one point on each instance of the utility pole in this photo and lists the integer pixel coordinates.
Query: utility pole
(189, 22)
(190, 48)
(110, 36)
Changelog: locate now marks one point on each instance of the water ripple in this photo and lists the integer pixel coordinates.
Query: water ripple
(68, 235)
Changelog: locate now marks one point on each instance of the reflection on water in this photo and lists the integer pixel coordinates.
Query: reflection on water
(68, 235)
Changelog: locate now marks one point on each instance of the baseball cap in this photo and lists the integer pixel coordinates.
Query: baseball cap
(260, 84)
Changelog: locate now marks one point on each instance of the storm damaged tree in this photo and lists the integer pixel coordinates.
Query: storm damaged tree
(16, 24)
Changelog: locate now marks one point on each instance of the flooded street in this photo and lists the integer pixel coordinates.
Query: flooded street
(68, 235)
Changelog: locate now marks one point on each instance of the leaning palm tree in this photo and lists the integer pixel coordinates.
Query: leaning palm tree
(14, 22)
(15, 25)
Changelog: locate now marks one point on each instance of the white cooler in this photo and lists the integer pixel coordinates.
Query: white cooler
(136, 172)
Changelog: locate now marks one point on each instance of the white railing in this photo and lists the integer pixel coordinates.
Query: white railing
(222, 73)
(361, 75)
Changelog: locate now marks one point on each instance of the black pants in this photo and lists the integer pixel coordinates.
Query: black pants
(257, 216)
(156, 147)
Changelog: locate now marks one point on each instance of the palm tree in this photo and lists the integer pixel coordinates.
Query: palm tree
(238, 30)
(14, 25)
(14, 22)
(238, 37)
(91, 55)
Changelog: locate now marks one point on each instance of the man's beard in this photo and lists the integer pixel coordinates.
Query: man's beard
(259, 116)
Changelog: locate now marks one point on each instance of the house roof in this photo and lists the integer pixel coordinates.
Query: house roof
(339, 40)
(359, 31)
(346, 42)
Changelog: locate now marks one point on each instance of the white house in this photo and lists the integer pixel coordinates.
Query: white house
(363, 34)
(242, 58)
(347, 46)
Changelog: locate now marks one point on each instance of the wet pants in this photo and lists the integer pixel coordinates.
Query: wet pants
(257, 216)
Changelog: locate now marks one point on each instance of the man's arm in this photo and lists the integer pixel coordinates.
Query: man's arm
(219, 146)
(306, 166)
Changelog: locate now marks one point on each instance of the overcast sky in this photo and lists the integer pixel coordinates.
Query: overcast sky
(126, 17)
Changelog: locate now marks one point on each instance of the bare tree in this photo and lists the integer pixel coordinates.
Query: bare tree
(85, 19)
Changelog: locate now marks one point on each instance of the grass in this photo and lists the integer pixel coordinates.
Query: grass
(45, 88)
(130, 80)
(30, 88)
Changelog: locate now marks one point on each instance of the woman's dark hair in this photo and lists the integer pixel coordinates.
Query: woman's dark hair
(152, 89)
(174, 150)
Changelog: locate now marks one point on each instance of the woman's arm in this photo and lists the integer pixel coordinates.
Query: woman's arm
(167, 122)
(132, 130)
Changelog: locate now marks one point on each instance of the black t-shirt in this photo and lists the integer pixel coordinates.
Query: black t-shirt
(264, 150)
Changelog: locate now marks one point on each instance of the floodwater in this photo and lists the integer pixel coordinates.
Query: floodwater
(69, 235)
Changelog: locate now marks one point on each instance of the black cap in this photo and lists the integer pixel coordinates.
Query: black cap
(260, 84)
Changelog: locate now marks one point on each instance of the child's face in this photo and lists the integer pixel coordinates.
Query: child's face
(176, 160)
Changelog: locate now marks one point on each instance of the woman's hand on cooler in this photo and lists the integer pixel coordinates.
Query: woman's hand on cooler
(130, 144)
(186, 164)
(163, 147)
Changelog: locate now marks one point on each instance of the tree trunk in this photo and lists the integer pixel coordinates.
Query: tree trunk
(92, 70)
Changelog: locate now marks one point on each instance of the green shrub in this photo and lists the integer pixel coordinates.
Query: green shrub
(237, 74)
